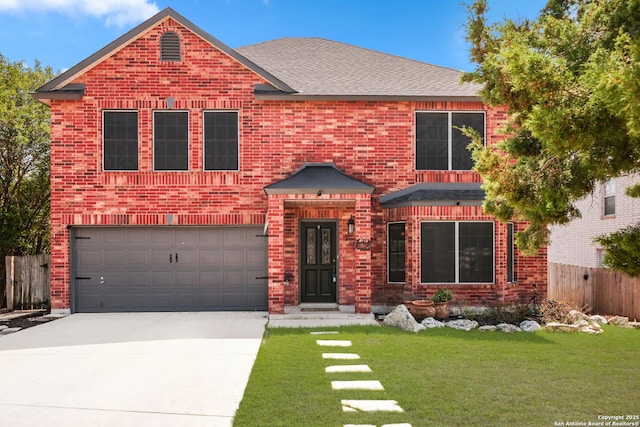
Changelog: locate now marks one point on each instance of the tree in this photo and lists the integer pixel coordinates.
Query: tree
(570, 80)
(24, 161)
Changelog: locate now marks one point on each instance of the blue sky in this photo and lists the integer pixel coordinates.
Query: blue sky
(61, 33)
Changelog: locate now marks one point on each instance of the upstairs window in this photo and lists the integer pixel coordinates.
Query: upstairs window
(610, 197)
(220, 140)
(120, 140)
(171, 140)
(440, 144)
(170, 47)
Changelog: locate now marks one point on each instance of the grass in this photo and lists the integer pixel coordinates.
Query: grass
(446, 377)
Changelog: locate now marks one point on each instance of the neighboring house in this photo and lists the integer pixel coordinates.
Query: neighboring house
(606, 210)
(186, 175)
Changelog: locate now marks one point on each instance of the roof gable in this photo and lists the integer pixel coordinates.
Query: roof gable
(57, 87)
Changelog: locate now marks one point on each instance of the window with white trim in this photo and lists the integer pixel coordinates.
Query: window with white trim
(457, 252)
(440, 144)
(610, 197)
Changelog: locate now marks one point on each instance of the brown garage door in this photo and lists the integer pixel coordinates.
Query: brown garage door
(168, 269)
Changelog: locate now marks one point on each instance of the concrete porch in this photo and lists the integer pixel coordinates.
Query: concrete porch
(319, 315)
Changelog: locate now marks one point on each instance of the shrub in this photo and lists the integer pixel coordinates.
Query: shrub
(558, 311)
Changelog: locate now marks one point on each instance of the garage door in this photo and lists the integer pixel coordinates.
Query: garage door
(169, 268)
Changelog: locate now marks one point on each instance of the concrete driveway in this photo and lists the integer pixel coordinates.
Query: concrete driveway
(129, 369)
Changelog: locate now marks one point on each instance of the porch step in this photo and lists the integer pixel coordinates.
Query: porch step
(313, 319)
(319, 307)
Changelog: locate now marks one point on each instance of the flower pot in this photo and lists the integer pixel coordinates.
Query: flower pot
(442, 310)
(421, 309)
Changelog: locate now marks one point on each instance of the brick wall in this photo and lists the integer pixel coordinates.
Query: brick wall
(370, 141)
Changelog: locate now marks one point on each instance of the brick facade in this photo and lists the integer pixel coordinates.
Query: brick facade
(371, 141)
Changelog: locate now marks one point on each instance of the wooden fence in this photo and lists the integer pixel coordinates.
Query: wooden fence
(27, 282)
(603, 290)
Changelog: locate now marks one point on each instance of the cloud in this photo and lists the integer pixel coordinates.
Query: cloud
(114, 12)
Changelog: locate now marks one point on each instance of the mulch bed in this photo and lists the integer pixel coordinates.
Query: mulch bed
(22, 322)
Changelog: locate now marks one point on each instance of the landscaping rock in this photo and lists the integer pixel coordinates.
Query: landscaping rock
(3, 327)
(8, 331)
(635, 325)
(591, 329)
(619, 321)
(581, 323)
(432, 323)
(598, 318)
(530, 326)
(576, 316)
(562, 327)
(401, 318)
(462, 324)
(487, 328)
(507, 328)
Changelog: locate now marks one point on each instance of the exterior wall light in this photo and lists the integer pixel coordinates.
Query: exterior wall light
(351, 225)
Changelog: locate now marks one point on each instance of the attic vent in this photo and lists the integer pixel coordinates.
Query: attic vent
(170, 47)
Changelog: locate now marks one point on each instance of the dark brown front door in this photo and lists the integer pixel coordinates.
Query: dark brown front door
(318, 262)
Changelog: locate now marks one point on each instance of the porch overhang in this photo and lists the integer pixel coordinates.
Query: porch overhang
(319, 179)
(435, 194)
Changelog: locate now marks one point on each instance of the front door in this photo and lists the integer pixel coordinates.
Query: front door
(318, 262)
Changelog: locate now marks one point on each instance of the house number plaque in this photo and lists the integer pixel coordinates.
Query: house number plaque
(363, 244)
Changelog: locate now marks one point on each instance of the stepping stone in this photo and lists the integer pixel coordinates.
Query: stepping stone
(347, 368)
(323, 332)
(373, 425)
(357, 385)
(341, 356)
(334, 343)
(9, 331)
(370, 406)
(359, 425)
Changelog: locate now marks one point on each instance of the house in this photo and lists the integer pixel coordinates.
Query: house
(606, 210)
(186, 175)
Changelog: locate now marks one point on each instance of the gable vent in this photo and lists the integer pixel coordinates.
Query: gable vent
(170, 47)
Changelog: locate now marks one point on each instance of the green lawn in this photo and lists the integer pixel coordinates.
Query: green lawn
(445, 377)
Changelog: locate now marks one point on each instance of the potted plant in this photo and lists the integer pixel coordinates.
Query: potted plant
(420, 308)
(441, 301)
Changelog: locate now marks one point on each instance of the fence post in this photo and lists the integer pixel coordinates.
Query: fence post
(10, 268)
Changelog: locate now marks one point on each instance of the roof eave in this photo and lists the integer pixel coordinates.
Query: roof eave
(282, 96)
(315, 190)
(412, 203)
(70, 92)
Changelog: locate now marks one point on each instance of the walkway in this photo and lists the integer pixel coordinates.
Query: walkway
(341, 353)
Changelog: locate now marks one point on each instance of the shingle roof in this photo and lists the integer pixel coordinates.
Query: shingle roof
(435, 194)
(319, 178)
(320, 67)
